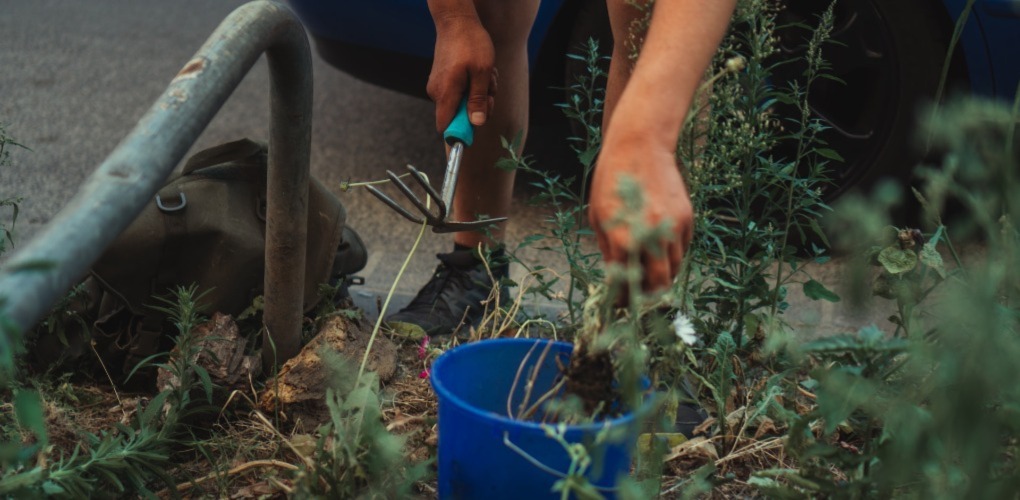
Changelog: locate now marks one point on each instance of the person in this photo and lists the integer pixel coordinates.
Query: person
(481, 53)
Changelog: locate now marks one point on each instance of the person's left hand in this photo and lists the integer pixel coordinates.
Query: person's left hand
(664, 198)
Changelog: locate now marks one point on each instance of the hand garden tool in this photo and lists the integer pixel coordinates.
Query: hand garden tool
(457, 135)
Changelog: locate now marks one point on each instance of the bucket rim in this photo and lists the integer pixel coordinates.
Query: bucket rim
(443, 393)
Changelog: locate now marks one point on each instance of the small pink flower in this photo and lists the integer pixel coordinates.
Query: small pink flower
(423, 348)
(424, 374)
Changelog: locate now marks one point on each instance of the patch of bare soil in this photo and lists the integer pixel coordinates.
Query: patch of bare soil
(412, 407)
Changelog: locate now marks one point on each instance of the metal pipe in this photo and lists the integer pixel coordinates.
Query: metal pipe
(38, 274)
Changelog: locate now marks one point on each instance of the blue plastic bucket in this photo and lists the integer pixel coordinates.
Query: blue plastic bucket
(477, 439)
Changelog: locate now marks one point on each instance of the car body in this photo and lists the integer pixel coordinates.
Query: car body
(891, 57)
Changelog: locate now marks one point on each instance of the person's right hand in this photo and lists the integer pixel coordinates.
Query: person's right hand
(464, 65)
(652, 165)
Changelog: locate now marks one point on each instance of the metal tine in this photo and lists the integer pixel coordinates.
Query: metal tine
(404, 188)
(439, 223)
(453, 227)
(423, 181)
(394, 205)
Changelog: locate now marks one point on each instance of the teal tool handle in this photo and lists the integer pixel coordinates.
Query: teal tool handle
(460, 129)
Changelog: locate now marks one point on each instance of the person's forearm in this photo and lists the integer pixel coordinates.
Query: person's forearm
(444, 11)
(682, 39)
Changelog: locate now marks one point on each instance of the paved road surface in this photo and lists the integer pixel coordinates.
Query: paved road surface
(75, 77)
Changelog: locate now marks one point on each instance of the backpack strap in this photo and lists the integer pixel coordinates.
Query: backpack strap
(224, 153)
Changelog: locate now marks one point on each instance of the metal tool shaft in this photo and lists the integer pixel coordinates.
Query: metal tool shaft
(452, 170)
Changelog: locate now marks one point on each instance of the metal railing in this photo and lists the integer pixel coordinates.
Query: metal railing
(38, 274)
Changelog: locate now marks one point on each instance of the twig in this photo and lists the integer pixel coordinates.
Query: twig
(283, 487)
(494, 296)
(345, 186)
(531, 378)
(230, 398)
(538, 321)
(402, 422)
(389, 295)
(758, 446)
(517, 378)
(262, 418)
(532, 460)
(545, 397)
(92, 345)
(543, 467)
(236, 470)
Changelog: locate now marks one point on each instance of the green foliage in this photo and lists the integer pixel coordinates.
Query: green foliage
(7, 229)
(355, 456)
(755, 181)
(931, 410)
(566, 230)
(10, 335)
(121, 460)
(739, 160)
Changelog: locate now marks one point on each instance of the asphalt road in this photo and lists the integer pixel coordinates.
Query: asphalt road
(77, 75)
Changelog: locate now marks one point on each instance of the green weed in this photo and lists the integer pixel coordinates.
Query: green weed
(127, 458)
(355, 455)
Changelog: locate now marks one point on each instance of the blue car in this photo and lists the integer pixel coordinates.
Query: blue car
(890, 55)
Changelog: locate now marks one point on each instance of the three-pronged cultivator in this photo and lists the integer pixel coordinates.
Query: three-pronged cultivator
(457, 135)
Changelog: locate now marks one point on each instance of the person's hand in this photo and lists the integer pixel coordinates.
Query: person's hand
(664, 197)
(464, 65)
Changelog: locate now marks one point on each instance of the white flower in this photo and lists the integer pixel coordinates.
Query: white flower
(685, 329)
(735, 64)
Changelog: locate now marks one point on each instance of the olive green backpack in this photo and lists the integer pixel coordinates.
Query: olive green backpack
(206, 227)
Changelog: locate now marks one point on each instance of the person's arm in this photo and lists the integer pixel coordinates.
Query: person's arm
(641, 134)
(464, 62)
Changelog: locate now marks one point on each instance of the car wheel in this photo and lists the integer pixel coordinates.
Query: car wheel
(890, 56)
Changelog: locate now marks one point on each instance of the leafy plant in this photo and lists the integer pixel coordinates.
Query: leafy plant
(129, 457)
(355, 455)
(7, 229)
(10, 336)
(566, 231)
(930, 409)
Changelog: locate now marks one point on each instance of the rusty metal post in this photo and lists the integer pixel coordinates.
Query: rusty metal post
(38, 274)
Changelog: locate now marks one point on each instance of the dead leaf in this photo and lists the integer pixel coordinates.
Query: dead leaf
(697, 447)
(303, 379)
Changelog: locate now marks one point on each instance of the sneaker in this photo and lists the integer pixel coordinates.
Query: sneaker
(689, 413)
(688, 417)
(453, 297)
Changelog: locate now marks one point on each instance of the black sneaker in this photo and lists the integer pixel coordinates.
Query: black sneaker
(689, 413)
(453, 297)
(688, 417)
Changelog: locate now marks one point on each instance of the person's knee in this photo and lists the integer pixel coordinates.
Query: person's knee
(508, 22)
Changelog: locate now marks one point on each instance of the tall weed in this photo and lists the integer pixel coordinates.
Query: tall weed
(929, 409)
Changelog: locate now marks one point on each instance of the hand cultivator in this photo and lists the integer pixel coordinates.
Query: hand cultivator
(457, 135)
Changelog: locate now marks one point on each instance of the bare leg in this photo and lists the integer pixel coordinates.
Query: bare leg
(621, 17)
(481, 187)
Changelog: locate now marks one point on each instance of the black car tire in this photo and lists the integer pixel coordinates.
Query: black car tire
(890, 54)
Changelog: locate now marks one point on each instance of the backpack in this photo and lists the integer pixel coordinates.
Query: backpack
(205, 226)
